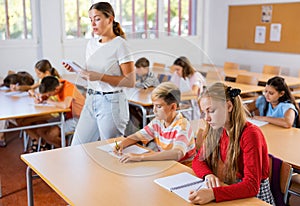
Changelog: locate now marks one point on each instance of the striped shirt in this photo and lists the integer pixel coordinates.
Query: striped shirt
(179, 135)
(149, 80)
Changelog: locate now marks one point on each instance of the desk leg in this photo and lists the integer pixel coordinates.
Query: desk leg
(29, 187)
(62, 132)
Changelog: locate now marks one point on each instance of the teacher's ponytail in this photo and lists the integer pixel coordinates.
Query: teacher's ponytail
(118, 30)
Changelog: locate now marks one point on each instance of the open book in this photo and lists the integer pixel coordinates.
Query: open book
(131, 149)
(181, 184)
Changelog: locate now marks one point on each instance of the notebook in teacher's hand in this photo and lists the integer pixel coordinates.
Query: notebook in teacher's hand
(181, 184)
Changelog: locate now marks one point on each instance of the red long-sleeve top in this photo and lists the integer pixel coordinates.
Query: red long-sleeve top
(253, 165)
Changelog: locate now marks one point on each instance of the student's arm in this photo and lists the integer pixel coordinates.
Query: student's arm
(26, 87)
(130, 140)
(173, 154)
(63, 104)
(287, 121)
(127, 79)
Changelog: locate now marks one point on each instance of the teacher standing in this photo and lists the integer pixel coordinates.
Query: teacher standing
(109, 68)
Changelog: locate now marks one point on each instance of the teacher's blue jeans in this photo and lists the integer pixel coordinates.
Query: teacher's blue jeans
(102, 117)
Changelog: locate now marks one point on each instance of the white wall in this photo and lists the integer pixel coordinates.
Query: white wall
(50, 44)
(215, 38)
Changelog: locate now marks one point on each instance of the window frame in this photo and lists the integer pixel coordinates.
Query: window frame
(16, 43)
(160, 30)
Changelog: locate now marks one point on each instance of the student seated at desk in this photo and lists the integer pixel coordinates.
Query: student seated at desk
(42, 69)
(144, 78)
(64, 95)
(15, 80)
(12, 81)
(171, 132)
(234, 151)
(277, 106)
(190, 82)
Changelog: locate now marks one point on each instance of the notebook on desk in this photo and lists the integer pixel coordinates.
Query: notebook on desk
(181, 184)
(131, 149)
(257, 122)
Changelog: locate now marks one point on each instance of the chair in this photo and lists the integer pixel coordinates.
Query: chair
(280, 178)
(231, 65)
(163, 77)
(268, 69)
(246, 79)
(214, 75)
(295, 185)
(157, 65)
(250, 80)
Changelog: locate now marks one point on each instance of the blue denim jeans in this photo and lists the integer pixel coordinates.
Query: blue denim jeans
(102, 117)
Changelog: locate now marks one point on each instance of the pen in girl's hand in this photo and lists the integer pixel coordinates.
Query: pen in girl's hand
(200, 186)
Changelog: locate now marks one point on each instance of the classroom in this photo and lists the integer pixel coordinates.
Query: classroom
(250, 34)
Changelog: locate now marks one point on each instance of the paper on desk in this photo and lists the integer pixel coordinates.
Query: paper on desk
(131, 149)
(43, 105)
(4, 88)
(257, 122)
(17, 94)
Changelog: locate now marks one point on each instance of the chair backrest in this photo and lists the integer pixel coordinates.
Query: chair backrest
(246, 79)
(214, 75)
(163, 77)
(268, 69)
(158, 65)
(231, 65)
(280, 175)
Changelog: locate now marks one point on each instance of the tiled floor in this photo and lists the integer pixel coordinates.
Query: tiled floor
(13, 178)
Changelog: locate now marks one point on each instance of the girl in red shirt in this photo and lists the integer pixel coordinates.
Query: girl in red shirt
(233, 159)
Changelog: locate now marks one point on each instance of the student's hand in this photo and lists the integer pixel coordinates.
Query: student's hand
(131, 158)
(31, 93)
(201, 196)
(212, 181)
(118, 149)
(14, 87)
(260, 118)
(39, 98)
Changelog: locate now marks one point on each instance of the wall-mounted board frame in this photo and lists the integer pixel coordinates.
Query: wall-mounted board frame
(244, 19)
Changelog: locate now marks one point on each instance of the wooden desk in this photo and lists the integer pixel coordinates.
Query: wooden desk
(245, 88)
(263, 78)
(22, 107)
(89, 176)
(282, 143)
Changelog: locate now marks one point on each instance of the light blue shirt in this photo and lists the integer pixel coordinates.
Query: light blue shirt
(278, 111)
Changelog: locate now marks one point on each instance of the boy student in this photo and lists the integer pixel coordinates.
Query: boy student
(64, 95)
(171, 132)
(144, 78)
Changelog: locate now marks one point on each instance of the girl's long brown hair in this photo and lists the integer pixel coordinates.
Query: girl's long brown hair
(187, 68)
(237, 118)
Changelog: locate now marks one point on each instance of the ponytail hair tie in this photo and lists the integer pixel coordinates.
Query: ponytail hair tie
(233, 92)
